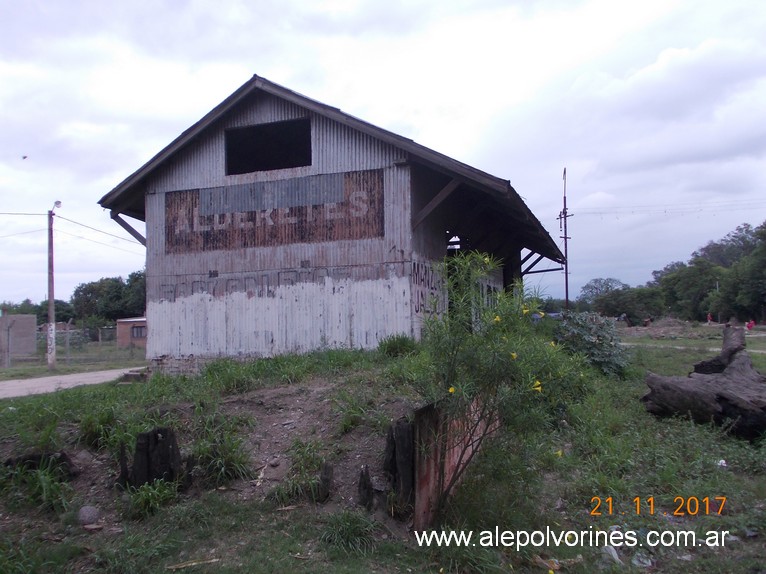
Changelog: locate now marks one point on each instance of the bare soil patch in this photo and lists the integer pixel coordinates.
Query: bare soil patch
(279, 416)
(668, 328)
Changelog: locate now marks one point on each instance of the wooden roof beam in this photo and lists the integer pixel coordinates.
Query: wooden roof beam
(127, 227)
(435, 202)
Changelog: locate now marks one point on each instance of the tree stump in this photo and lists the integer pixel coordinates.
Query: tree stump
(399, 463)
(324, 486)
(725, 390)
(365, 490)
(156, 457)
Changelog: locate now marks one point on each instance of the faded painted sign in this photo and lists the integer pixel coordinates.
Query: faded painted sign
(264, 283)
(427, 287)
(329, 207)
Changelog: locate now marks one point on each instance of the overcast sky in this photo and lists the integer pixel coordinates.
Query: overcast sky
(656, 108)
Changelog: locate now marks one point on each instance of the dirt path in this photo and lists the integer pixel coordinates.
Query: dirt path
(23, 387)
(682, 348)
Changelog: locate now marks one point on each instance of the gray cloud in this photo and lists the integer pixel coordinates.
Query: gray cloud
(655, 104)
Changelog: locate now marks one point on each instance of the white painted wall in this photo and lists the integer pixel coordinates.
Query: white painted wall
(297, 318)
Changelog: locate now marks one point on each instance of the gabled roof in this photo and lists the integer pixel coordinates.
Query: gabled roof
(128, 197)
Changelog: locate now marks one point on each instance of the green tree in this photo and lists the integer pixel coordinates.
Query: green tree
(742, 292)
(26, 307)
(109, 298)
(597, 287)
(134, 295)
(638, 303)
(64, 311)
(686, 289)
(667, 270)
(734, 246)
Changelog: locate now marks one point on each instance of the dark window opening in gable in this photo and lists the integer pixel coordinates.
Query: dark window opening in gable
(265, 147)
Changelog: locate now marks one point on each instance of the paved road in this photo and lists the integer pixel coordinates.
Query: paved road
(23, 387)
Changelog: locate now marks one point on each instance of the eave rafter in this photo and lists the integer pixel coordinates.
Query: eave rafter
(127, 227)
(435, 202)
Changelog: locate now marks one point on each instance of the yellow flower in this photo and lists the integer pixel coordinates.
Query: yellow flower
(538, 386)
(504, 338)
(542, 314)
(553, 343)
(497, 318)
(452, 389)
(559, 453)
(486, 260)
(525, 310)
(514, 356)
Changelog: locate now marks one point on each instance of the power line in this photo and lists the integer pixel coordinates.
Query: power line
(674, 208)
(94, 229)
(70, 221)
(21, 233)
(98, 242)
(694, 203)
(666, 213)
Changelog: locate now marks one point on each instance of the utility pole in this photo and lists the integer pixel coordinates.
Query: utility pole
(563, 216)
(51, 300)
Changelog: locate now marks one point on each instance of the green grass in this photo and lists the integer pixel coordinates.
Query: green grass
(349, 531)
(611, 447)
(710, 340)
(147, 499)
(532, 476)
(678, 357)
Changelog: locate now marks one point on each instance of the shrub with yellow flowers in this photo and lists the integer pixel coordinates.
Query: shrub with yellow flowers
(489, 360)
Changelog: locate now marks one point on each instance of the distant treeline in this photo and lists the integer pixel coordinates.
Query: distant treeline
(95, 304)
(726, 278)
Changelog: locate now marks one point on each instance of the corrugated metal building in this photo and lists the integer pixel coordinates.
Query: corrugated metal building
(279, 224)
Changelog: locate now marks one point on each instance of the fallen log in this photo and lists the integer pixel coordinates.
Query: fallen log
(726, 390)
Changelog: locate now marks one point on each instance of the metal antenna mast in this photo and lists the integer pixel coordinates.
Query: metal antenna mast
(563, 216)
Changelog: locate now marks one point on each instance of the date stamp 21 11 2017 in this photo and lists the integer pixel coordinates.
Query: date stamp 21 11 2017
(682, 506)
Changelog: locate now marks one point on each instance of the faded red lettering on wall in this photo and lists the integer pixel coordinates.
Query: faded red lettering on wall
(357, 215)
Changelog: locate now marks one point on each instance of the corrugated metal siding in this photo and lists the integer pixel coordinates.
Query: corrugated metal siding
(335, 149)
(428, 289)
(226, 291)
(295, 318)
(266, 214)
